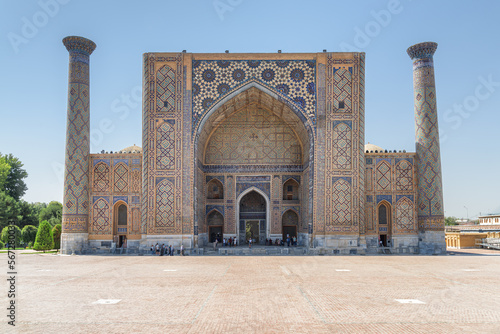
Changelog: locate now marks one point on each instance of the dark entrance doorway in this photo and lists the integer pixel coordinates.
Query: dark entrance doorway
(253, 211)
(290, 231)
(289, 223)
(215, 222)
(383, 238)
(215, 232)
(122, 241)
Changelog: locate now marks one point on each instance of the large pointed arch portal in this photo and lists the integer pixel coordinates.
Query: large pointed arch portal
(257, 135)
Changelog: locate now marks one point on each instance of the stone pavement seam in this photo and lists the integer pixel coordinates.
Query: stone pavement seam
(313, 307)
(204, 303)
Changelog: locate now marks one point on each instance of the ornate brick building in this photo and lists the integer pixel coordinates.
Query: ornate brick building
(253, 146)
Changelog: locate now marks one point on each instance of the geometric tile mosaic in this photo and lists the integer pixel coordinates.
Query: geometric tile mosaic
(164, 204)
(341, 202)
(383, 176)
(342, 146)
(292, 79)
(165, 145)
(121, 177)
(404, 175)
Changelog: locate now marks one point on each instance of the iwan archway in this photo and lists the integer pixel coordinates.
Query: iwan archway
(253, 216)
(253, 142)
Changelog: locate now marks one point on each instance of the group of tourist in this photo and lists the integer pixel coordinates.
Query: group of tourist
(231, 242)
(165, 250)
(289, 241)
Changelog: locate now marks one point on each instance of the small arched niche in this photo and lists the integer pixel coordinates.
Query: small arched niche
(215, 189)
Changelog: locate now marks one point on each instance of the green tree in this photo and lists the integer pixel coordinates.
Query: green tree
(27, 213)
(449, 221)
(14, 184)
(52, 213)
(8, 209)
(28, 234)
(17, 235)
(44, 238)
(56, 232)
(4, 171)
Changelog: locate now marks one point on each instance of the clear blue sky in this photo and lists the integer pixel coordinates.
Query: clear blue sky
(34, 70)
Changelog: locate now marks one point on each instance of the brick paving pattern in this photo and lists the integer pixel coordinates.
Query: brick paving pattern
(294, 294)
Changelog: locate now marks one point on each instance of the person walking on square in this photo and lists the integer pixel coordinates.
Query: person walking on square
(182, 250)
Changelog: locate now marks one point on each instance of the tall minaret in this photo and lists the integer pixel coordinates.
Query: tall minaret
(76, 170)
(430, 189)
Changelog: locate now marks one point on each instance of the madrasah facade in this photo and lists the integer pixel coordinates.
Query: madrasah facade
(253, 145)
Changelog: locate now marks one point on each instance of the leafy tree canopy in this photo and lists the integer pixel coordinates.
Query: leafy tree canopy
(8, 209)
(17, 235)
(14, 184)
(28, 234)
(4, 171)
(52, 213)
(450, 221)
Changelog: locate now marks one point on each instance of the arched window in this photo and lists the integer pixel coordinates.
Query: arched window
(382, 215)
(291, 190)
(122, 215)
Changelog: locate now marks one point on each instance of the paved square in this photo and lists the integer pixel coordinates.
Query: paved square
(288, 294)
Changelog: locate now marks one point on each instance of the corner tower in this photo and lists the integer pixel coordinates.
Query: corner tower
(76, 169)
(430, 190)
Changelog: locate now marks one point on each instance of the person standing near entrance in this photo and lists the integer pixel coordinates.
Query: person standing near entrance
(182, 250)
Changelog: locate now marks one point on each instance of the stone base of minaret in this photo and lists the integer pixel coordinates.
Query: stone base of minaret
(74, 243)
(431, 242)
